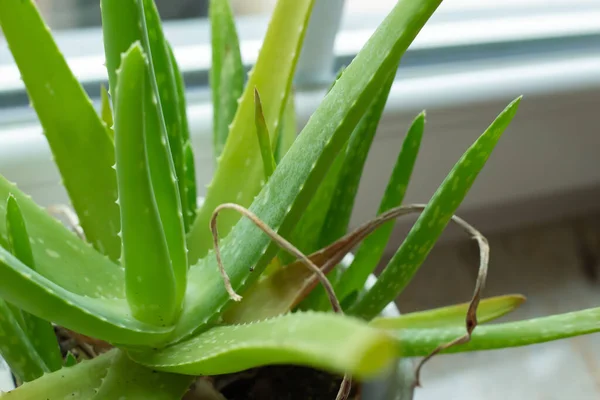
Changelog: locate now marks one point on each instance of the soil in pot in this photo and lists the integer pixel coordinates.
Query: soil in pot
(285, 382)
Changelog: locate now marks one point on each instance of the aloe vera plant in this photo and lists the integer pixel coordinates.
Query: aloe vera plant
(163, 291)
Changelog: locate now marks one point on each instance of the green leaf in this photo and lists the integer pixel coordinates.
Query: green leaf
(60, 255)
(189, 168)
(320, 340)
(262, 134)
(40, 332)
(164, 85)
(70, 360)
(16, 348)
(337, 219)
(359, 144)
(226, 73)
(107, 319)
(106, 110)
(370, 251)
(79, 140)
(128, 380)
(151, 284)
(241, 160)
(421, 342)
(78, 382)
(489, 309)
(285, 196)
(287, 129)
(190, 185)
(433, 220)
(120, 29)
(304, 235)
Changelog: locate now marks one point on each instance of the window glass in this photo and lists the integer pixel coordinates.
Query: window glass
(69, 14)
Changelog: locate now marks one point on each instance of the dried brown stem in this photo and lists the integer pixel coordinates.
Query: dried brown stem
(471, 317)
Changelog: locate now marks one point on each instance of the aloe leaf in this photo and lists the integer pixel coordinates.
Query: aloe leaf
(262, 134)
(413, 251)
(106, 319)
(320, 340)
(164, 85)
(226, 73)
(285, 196)
(70, 360)
(241, 159)
(128, 380)
(80, 143)
(488, 310)
(420, 342)
(106, 109)
(40, 332)
(149, 276)
(190, 185)
(370, 251)
(120, 29)
(283, 287)
(304, 236)
(188, 152)
(18, 238)
(60, 255)
(287, 129)
(182, 103)
(17, 349)
(78, 382)
(338, 216)
(164, 185)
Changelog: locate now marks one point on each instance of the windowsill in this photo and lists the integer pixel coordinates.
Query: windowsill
(549, 150)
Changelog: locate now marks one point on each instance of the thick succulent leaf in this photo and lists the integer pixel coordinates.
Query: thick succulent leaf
(120, 28)
(17, 349)
(421, 342)
(281, 288)
(127, 380)
(40, 332)
(433, 220)
(189, 168)
(341, 204)
(320, 340)
(262, 133)
(241, 160)
(60, 255)
(80, 143)
(164, 189)
(164, 85)
(488, 310)
(106, 109)
(70, 359)
(102, 318)
(304, 236)
(226, 73)
(164, 181)
(190, 186)
(284, 198)
(287, 129)
(182, 103)
(370, 251)
(77, 382)
(149, 278)
(359, 144)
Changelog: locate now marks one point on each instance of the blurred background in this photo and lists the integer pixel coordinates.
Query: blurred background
(537, 200)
